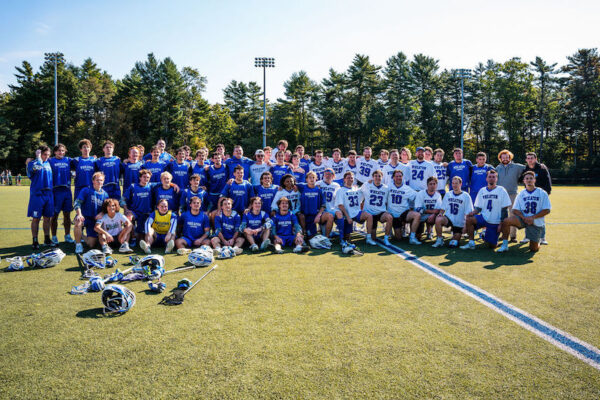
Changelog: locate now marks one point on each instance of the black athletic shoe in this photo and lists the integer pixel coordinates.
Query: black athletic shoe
(35, 246)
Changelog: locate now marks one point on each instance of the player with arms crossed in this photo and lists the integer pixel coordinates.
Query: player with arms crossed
(531, 206)
(401, 198)
(113, 225)
(455, 206)
(428, 204)
(41, 199)
(491, 208)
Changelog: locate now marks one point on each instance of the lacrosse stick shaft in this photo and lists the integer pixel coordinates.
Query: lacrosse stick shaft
(178, 270)
(203, 276)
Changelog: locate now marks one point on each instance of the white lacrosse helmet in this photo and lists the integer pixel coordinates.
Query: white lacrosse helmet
(201, 257)
(153, 266)
(49, 258)
(117, 298)
(94, 259)
(16, 264)
(320, 242)
(96, 284)
(226, 252)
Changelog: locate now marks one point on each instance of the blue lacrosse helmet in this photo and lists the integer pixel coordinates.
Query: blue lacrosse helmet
(96, 284)
(201, 257)
(117, 298)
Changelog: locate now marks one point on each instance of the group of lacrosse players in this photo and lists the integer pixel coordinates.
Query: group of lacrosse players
(282, 198)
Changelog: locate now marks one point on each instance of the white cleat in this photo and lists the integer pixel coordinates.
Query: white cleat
(125, 248)
(265, 244)
(438, 243)
(78, 248)
(106, 249)
(278, 249)
(544, 242)
(254, 248)
(145, 246)
(183, 251)
(297, 249)
(169, 247)
(414, 240)
(468, 246)
(237, 250)
(525, 240)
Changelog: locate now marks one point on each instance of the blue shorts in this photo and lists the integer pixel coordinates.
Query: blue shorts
(62, 199)
(288, 240)
(140, 222)
(113, 191)
(356, 218)
(41, 204)
(159, 240)
(491, 230)
(309, 223)
(188, 242)
(90, 224)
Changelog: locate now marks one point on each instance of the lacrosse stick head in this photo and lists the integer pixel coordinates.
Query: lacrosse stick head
(94, 259)
(49, 258)
(117, 298)
(320, 242)
(174, 298)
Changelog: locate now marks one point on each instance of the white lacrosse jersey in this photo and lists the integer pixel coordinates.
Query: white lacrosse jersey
(419, 173)
(113, 225)
(388, 172)
(382, 164)
(491, 203)
(329, 191)
(456, 206)
(293, 197)
(366, 169)
(375, 198)
(256, 170)
(441, 173)
(425, 201)
(531, 203)
(318, 169)
(348, 167)
(400, 198)
(350, 198)
(337, 167)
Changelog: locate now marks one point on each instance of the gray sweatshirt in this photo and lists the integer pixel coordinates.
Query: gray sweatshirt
(508, 176)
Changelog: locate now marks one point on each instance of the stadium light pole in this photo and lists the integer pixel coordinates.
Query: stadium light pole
(264, 62)
(55, 58)
(462, 73)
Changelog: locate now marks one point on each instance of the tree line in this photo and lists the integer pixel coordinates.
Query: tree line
(524, 106)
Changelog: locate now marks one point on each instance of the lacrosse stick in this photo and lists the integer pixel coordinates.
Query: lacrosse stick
(114, 277)
(177, 296)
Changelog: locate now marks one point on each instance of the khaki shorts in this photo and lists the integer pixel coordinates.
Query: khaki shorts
(532, 232)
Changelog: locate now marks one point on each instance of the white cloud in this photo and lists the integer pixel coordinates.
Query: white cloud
(42, 28)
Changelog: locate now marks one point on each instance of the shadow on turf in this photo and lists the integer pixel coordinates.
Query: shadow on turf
(97, 312)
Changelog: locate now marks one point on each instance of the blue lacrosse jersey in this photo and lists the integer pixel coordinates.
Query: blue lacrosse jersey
(299, 176)
(478, 179)
(245, 162)
(156, 168)
(266, 195)
(199, 169)
(90, 201)
(283, 225)
(181, 173)
(240, 193)
(84, 170)
(305, 164)
(40, 173)
(253, 221)
(194, 226)
(278, 171)
(111, 167)
(160, 193)
(61, 171)
(187, 194)
(139, 198)
(227, 225)
(463, 170)
(217, 179)
(311, 199)
(131, 173)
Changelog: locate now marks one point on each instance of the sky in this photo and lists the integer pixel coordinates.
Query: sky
(221, 38)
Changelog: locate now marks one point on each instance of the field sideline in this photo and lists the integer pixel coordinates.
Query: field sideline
(317, 325)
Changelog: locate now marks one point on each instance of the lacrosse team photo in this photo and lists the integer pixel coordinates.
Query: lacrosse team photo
(314, 200)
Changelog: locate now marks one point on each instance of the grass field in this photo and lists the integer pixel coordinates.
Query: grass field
(319, 325)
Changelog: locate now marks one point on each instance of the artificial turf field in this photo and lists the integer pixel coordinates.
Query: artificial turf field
(318, 325)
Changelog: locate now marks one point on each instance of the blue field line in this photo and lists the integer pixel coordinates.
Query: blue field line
(578, 348)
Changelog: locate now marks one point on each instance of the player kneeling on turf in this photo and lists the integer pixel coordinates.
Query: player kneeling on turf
(490, 208)
(428, 204)
(160, 228)
(256, 225)
(286, 229)
(227, 228)
(113, 224)
(531, 206)
(87, 206)
(455, 206)
(194, 225)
